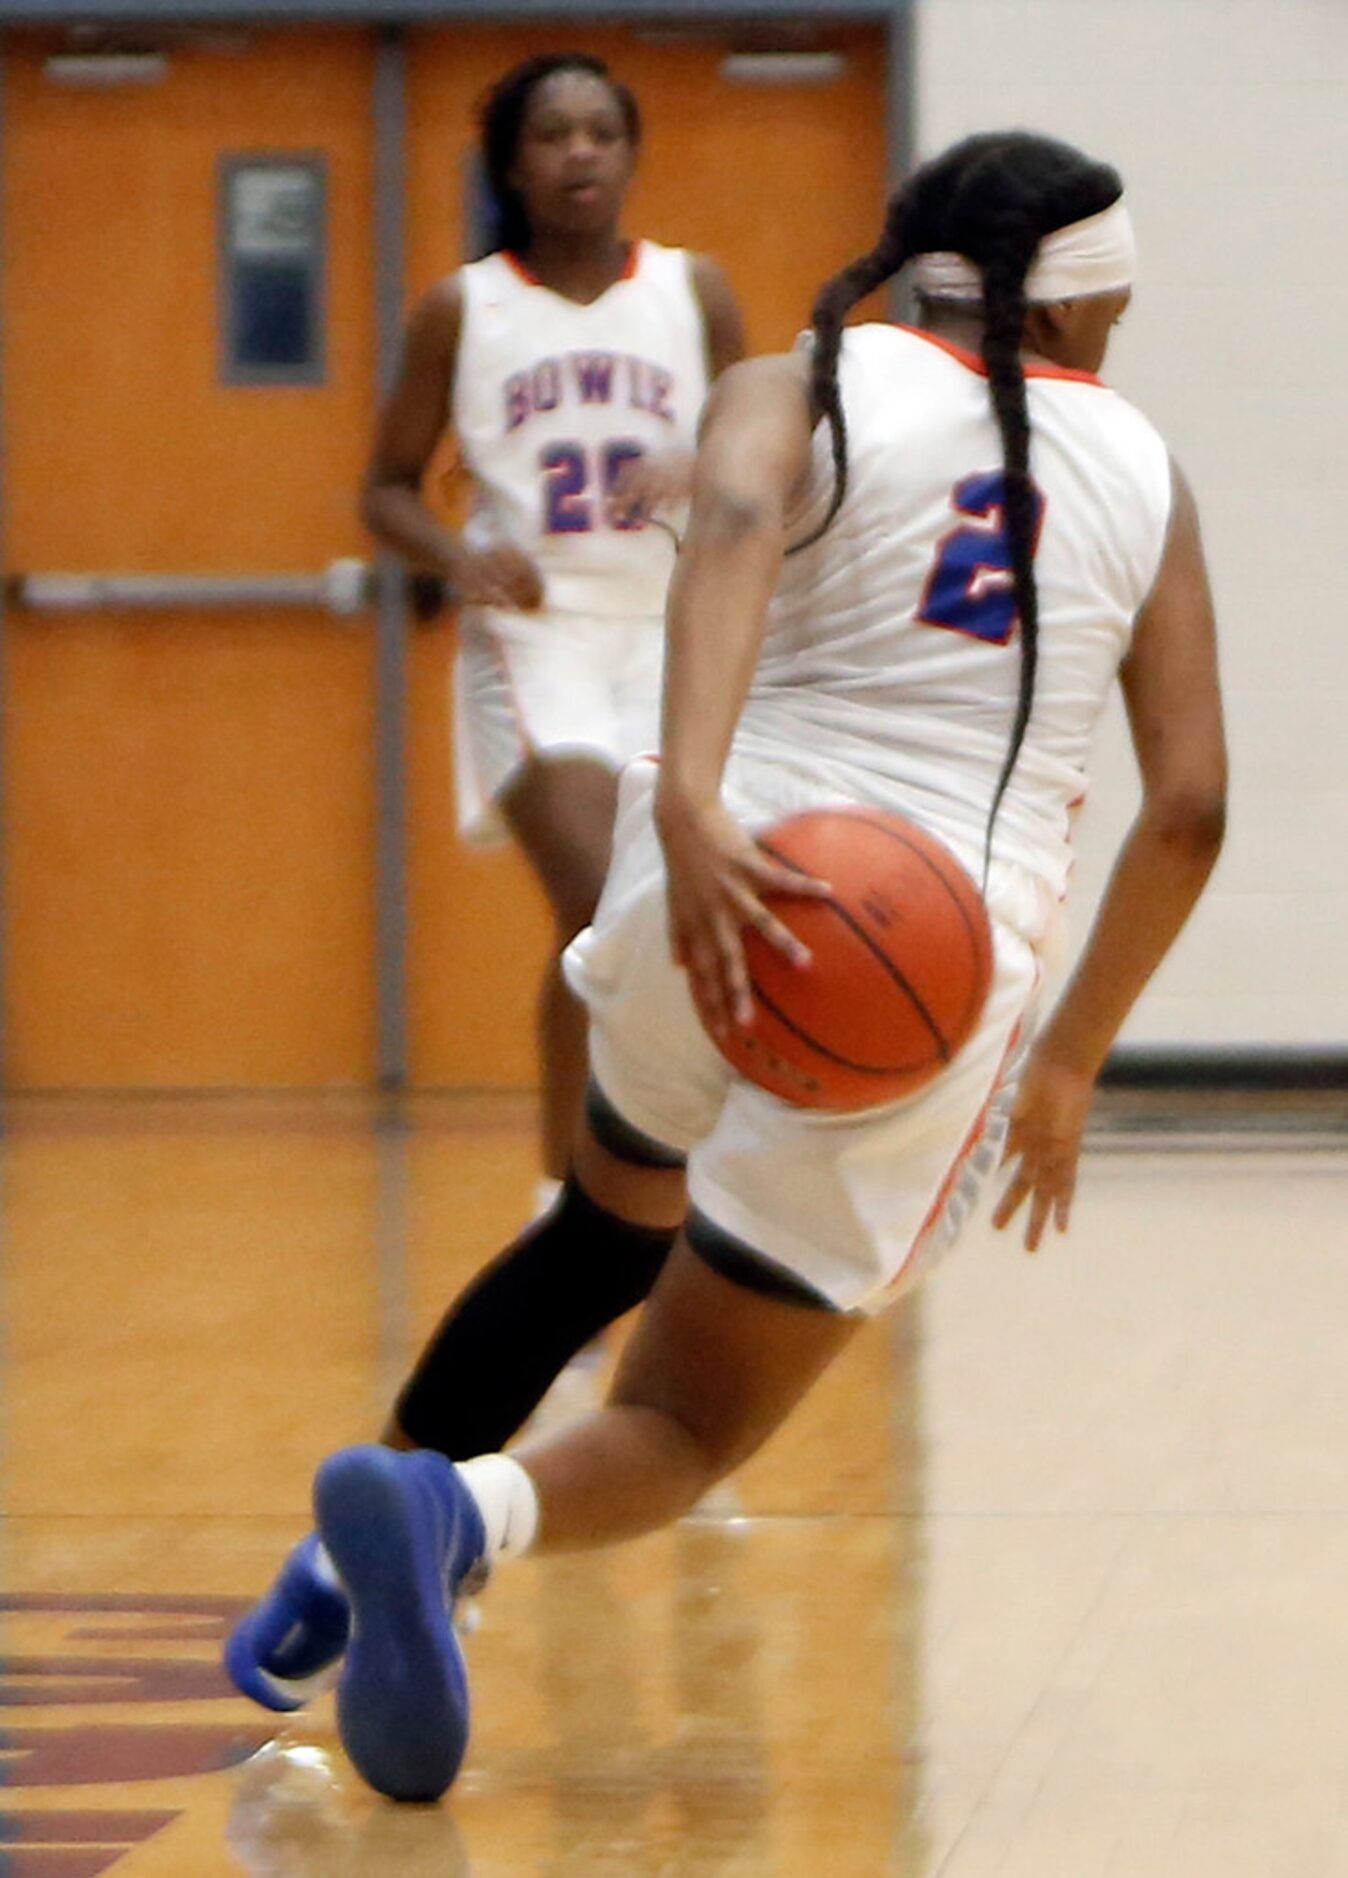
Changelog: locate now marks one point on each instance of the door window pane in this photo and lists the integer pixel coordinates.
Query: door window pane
(272, 261)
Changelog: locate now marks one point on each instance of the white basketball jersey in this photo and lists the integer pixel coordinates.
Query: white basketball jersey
(892, 659)
(550, 399)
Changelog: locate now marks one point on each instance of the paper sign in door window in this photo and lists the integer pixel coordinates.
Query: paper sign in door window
(273, 214)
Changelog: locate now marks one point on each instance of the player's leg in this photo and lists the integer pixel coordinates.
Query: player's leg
(590, 1260)
(399, 1530)
(485, 1369)
(712, 1369)
(560, 808)
(714, 1366)
(596, 1252)
(536, 757)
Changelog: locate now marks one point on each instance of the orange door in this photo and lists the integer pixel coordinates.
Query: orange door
(189, 846)
(782, 185)
(190, 828)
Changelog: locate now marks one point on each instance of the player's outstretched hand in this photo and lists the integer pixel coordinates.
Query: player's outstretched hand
(1044, 1141)
(717, 876)
(503, 576)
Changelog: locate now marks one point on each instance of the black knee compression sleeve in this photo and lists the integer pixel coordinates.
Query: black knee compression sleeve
(507, 1338)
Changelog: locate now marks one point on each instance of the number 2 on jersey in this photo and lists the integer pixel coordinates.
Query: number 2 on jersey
(569, 486)
(970, 587)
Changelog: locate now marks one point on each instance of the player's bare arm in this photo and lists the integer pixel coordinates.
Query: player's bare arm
(1173, 699)
(651, 483)
(721, 317)
(409, 430)
(753, 455)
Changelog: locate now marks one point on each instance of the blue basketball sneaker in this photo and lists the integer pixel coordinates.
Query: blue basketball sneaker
(403, 1532)
(287, 1648)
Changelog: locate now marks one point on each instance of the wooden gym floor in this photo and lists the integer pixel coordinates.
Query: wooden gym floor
(1047, 1581)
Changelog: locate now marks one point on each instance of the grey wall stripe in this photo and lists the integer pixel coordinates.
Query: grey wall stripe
(4, 623)
(390, 728)
(902, 89)
(901, 107)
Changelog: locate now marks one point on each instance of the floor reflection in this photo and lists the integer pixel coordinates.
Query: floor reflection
(293, 1815)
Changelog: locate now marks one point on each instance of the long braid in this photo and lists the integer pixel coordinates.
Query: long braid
(834, 302)
(992, 198)
(1004, 321)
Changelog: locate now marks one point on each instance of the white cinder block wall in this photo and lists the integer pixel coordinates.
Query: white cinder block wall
(1229, 122)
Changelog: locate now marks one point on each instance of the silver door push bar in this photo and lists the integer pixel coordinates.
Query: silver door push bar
(344, 587)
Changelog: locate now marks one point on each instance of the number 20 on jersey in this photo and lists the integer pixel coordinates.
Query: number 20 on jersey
(577, 480)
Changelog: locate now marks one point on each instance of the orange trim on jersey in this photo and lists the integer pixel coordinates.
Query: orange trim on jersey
(530, 279)
(976, 364)
(521, 267)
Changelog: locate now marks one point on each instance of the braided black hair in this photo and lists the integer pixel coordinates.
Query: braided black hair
(501, 117)
(992, 198)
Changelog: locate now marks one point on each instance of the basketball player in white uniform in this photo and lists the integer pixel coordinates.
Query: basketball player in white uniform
(981, 536)
(555, 405)
(571, 366)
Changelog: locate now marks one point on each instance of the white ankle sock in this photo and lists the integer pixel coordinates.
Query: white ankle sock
(544, 1194)
(508, 1502)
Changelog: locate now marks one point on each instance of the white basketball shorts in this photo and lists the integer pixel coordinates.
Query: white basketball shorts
(857, 1206)
(547, 682)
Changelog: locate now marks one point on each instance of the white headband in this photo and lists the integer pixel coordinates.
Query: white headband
(1098, 255)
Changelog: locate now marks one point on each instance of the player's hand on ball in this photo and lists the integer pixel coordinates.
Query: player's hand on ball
(503, 577)
(1044, 1141)
(717, 875)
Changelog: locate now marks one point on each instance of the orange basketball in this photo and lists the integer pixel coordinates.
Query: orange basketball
(902, 961)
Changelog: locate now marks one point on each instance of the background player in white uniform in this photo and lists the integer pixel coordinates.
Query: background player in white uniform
(989, 534)
(571, 365)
